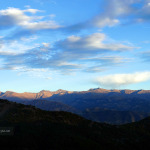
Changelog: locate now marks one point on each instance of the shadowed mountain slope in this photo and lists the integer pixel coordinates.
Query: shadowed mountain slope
(36, 129)
(113, 116)
(96, 114)
(50, 105)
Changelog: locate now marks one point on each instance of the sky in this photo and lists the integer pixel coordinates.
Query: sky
(74, 45)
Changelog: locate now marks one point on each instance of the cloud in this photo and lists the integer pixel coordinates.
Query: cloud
(116, 12)
(112, 11)
(37, 58)
(17, 46)
(46, 44)
(88, 53)
(95, 69)
(41, 2)
(143, 14)
(104, 63)
(91, 43)
(27, 22)
(117, 80)
(34, 73)
(21, 23)
(122, 11)
(145, 56)
(52, 15)
(16, 17)
(107, 60)
(105, 21)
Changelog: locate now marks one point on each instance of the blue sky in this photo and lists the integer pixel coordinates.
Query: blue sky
(74, 45)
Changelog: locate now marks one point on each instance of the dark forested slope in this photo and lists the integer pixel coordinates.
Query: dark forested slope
(38, 129)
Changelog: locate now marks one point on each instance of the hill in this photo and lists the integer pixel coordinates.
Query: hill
(36, 129)
(113, 116)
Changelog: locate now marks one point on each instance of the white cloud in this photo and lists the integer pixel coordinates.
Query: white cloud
(17, 47)
(41, 25)
(101, 22)
(96, 41)
(52, 15)
(34, 11)
(107, 60)
(112, 11)
(143, 14)
(115, 12)
(73, 38)
(13, 16)
(16, 17)
(117, 80)
(34, 72)
(46, 44)
(95, 69)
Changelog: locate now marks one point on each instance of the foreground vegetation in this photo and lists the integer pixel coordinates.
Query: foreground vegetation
(37, 129)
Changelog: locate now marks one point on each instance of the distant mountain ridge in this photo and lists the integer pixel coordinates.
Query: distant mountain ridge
(30, 96)
(47, 94)
(115, 106)
(122, 100)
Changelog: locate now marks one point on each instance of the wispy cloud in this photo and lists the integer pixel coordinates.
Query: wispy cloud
(145, 56)
(112, 12)
(28, 22)
(104, 63)
(69, 55)
(90, 53)
(91, 43)
(143, 14)
(116, 12)
(34, 73)
(120, 12)
(17, 46)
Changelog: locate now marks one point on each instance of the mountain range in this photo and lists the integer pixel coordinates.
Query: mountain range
(30, 96)
(102, 105)
(45, 94)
